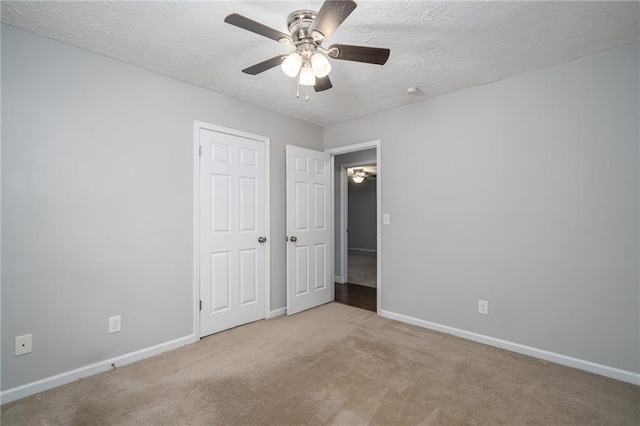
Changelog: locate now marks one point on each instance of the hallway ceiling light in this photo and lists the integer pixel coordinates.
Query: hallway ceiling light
(359, 176)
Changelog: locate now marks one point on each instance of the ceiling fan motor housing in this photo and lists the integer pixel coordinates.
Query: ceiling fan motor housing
(298, 24)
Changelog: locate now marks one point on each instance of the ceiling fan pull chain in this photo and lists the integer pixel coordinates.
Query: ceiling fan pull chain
(297, 88)
(307, 98)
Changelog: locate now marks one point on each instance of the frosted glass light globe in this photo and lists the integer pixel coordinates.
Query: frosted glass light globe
(307, 78)
(320, 64)
(291, 65)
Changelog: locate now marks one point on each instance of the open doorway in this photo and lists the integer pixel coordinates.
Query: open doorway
(361, 225)
(356, 228)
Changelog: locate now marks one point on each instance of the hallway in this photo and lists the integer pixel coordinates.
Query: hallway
(361, 290)
(362, 268)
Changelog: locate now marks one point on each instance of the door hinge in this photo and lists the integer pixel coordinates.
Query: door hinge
(201, 305)
(200, 151)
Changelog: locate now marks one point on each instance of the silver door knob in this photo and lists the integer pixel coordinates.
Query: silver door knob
(293, 239)
(262, 239)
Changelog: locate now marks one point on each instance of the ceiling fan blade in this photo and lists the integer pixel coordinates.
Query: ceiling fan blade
(322, 84)
(257, 27)
(331, 15)
(370, 55)
(264, 65)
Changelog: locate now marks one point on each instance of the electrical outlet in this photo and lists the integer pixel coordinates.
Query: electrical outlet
(22, 345)
(115, 324)
(483, 307)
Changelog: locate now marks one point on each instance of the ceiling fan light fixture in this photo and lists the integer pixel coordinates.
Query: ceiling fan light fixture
(307, 77)
(307, 30)
(291, 65)
(320, 65)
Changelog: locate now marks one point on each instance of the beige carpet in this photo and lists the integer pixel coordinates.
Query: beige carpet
(334, 365)
(362, 268)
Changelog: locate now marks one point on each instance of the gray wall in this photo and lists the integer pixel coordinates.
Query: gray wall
(525, 193)
(366, 156)
(97, 202)
(362, 215)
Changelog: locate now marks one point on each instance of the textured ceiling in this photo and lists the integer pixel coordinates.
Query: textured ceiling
(438, 47)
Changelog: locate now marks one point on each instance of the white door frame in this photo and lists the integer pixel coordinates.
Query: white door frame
(359, 147)
(344, 217)
(197, 125)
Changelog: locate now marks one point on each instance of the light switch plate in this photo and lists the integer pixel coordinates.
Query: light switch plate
(386, 219)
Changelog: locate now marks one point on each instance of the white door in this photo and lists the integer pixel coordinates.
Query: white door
(232, 225)
(309, 229)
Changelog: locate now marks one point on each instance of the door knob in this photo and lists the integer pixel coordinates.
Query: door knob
(262, 239)
(293, 239)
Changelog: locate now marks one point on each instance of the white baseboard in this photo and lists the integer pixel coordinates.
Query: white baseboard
(603, 370)
(278, 312)
(363, 249)
(89, 370)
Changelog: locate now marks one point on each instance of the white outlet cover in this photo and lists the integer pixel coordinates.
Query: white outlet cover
(23, 345)
(483, 307)
(115, 324)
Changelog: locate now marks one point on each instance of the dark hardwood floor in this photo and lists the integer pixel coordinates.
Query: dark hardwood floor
(357, 295)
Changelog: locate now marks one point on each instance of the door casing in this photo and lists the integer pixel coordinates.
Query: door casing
(197, 125)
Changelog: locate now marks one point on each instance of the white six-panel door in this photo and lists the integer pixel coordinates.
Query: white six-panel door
(309, 229)
(232, 220)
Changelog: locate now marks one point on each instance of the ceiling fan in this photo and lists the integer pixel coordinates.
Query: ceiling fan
(308, 30)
